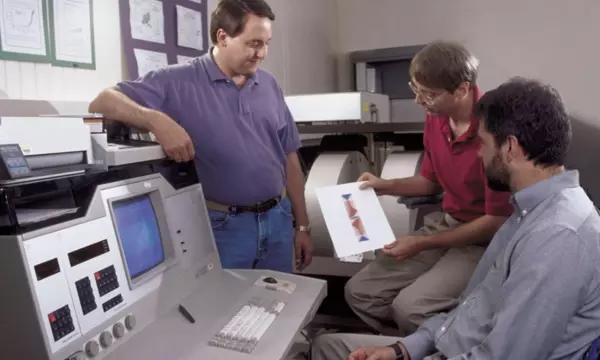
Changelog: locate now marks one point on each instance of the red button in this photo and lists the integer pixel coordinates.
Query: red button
(98, 276)
(52, 318)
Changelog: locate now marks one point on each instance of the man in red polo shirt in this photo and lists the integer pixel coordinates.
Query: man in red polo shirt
(424, 273)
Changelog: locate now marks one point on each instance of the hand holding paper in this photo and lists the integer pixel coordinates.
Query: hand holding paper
(404, 247)
(369, 180)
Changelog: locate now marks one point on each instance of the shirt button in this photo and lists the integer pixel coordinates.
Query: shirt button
(524, 212)
(443, 328)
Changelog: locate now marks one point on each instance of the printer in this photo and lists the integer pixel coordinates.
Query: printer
(352, 133)
(118, 261)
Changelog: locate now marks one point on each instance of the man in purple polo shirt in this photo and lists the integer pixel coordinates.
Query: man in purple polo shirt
(229, 116)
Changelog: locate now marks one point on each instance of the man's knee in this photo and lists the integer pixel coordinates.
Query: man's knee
(350, 291)
(358, 293)
(407, 313)
(327, 346)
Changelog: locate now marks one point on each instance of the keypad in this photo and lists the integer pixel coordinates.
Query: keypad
(86, 295)
(112, 303)
(61, 322)
(106, 279)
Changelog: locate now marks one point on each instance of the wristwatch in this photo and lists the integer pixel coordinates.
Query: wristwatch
(397, 350)
(303, 228)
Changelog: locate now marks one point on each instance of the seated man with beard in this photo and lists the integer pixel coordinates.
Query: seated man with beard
(535, 294)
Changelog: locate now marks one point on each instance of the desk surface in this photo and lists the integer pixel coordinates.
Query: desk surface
(173, 337)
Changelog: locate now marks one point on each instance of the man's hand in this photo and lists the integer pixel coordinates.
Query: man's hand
(372, 181)
(304, 249)
(405, 247)
(373, 353)
(175, 141)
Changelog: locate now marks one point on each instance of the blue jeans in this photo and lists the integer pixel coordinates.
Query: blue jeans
(251, 240)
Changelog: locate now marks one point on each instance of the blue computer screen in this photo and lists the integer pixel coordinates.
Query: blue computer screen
(139, 234)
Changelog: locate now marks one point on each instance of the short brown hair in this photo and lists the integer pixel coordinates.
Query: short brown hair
(444, 65)
(231, 16)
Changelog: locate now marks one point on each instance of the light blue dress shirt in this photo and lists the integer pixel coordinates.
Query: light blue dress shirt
(536, 291)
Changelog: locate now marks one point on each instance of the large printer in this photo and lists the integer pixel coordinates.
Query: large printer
(341, 117)
(116, 259)
(377, 127)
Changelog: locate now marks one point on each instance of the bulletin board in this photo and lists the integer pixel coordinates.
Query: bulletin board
(141, 29)
(60, 32)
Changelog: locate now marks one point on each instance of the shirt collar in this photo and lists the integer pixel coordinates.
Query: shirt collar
(214, 72)
(528, 198)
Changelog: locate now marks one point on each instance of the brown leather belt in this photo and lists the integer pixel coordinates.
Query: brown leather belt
(260, 207)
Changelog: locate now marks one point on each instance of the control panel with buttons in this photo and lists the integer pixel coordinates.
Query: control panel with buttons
(61, 322)
(86, 295)
(118, 330)
(92, 348)
(112, 303)
(12, 162)
(106, 279)
(106, 338)
(75, 289)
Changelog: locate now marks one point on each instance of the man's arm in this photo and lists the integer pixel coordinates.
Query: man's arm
(117, 106)
(548, 271)
(410, 186)
(295, 190)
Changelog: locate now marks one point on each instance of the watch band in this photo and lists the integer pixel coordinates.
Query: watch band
(303, 228)
(397, 350)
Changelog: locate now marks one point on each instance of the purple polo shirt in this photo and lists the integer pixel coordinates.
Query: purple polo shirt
(242, 136)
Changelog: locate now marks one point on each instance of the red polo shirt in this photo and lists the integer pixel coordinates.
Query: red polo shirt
(456, 167)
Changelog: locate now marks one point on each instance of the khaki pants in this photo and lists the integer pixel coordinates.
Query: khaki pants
(339, 346)
(388, 291)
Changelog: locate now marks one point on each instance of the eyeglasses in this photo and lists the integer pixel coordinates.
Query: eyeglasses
(428, 97)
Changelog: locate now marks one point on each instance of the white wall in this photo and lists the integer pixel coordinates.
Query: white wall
(23, 80)
(553, 40)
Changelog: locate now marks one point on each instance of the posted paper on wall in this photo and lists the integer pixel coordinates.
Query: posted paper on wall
(181, 59)
(149, 60)
(147, 20)
(189, 28)
(22, 27)
(354, 218)
(72, 30)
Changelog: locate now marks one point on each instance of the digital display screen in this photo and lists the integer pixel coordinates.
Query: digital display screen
(45, 269)
(13, 160)
(89, 252)
(139, 234)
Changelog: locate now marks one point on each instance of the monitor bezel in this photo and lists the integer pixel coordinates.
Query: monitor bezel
(154, 195)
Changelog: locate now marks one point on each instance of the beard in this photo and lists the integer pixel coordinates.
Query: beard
(497, 185)
(497, 175)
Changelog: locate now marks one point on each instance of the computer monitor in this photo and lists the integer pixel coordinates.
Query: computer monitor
(140, 238)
